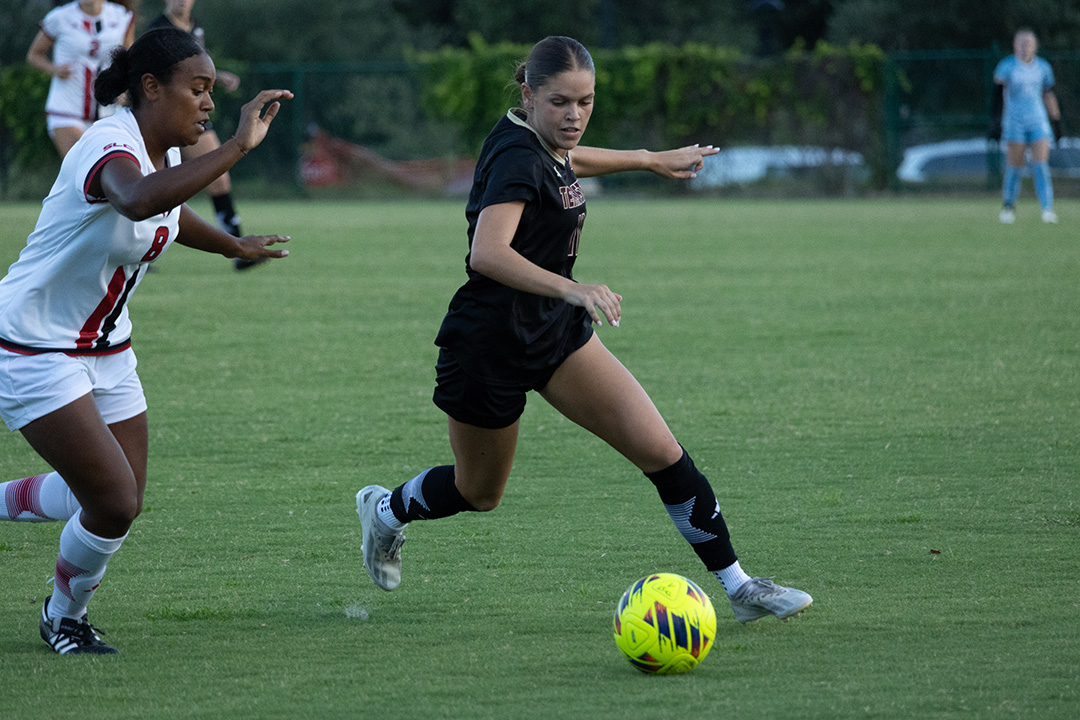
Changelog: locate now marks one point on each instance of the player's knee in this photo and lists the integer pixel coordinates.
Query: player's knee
(662, 455)
(114, 516)
(484, 501)
(485, 504)
(122, 517)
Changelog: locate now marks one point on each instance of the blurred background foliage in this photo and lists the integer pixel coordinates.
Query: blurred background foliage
(325, 30)
(423, 78)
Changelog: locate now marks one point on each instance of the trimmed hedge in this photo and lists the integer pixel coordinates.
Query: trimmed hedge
(666, 96)
(655, 96)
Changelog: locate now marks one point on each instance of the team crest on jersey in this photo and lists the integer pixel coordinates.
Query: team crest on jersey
(572, 196)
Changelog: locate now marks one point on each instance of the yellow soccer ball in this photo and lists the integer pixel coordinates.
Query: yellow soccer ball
(665, 624)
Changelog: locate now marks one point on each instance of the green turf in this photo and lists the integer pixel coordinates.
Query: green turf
(885, 394)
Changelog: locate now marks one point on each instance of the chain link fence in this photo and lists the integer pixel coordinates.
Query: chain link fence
(937, 110)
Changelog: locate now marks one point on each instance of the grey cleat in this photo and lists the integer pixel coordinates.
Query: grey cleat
(382, 546)
(759, 597)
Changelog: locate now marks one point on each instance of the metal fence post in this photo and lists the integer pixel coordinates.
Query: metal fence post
(297, 124)
(890, 131)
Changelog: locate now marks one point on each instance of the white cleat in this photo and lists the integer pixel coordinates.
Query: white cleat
(1007, 216)
(759, 597)
(382, 546)
(1049, 216)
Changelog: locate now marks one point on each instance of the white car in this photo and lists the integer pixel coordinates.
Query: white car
(743, 165)
(968, 159)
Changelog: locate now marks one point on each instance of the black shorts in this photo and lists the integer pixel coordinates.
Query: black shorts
(492, 405)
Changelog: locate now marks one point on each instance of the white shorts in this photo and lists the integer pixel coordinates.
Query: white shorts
(32, 386)
(52, 122)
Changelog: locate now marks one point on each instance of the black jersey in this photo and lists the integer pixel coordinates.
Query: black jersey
(163, 21)
(498, 334)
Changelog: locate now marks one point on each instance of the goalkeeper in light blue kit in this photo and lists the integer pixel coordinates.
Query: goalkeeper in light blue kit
(1030, 108)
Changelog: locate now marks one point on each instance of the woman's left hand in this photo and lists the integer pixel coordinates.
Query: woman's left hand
(257, 247)
(682, 163)
(598, 300)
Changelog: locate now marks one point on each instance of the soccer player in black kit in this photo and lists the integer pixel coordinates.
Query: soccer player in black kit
(521, 323)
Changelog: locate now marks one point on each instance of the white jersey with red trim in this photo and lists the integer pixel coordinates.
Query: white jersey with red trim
(69, 289)
(84, 43)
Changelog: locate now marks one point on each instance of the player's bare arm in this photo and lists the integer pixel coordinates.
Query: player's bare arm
(229, 82)
(199, 234)
(137, 196)
(681, 163)
(492, 255)
(39, 53)
(1053, 110)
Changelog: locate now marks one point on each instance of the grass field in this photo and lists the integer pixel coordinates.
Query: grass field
(884, 393)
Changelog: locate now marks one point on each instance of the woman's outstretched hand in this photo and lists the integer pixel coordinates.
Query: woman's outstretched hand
(254, 123)
(682, 163)
(257, 247)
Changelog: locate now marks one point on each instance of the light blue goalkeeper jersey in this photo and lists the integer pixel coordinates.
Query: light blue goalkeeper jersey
(1025, 84)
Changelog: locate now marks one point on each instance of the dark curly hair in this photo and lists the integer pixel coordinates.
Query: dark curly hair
(157, 52)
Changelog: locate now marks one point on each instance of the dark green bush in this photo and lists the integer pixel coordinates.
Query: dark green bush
(665, 96)
(25, 147)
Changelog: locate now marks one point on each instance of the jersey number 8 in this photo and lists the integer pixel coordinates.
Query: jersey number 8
(160, 238)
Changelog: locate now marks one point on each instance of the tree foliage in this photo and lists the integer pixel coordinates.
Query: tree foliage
(746, 71)
(329, 30)
(965, 24)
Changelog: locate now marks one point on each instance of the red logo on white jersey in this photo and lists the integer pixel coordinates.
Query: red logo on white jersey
(118, 145)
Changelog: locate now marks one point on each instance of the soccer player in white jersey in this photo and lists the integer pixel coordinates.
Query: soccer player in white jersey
(74, 41)
(1030, 107)
(67, 371)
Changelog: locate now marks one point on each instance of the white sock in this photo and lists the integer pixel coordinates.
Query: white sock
(79, 568)
(732, 577)
(387, 515)
(40, 498)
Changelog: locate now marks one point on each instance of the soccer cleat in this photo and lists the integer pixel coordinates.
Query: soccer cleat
(1007, 216)
(68, 636)
(759, 597)
(382, 546)
(230, 223)
(1049, 216)
(242, 264)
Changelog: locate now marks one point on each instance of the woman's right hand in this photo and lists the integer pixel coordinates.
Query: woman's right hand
(254, 123)
(62, 71)
(597, 300)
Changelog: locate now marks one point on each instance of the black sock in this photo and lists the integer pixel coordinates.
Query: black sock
(429, 496)
(689, 500)
(226, 214)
